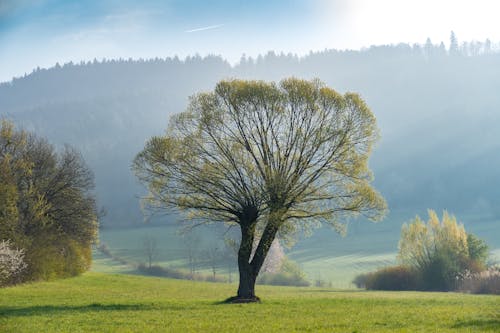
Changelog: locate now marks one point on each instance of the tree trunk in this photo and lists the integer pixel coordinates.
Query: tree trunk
(250, 269)
(264, 245)
(246, 288)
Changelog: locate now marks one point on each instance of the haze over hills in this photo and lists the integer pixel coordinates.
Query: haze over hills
(437, 110)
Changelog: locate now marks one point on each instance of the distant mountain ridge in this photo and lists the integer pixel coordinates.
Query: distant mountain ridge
(439, 116)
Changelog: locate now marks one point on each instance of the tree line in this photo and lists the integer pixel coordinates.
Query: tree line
(97, 105)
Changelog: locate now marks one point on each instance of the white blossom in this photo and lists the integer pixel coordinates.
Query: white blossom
(11, 261)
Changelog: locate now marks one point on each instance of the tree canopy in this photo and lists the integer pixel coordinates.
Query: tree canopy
(47, 207)
(272, 158)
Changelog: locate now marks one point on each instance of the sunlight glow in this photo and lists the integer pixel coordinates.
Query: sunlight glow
(367, 22)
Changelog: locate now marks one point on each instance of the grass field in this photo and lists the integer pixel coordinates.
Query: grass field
(97, 302)
(325, 257)
(334, 260)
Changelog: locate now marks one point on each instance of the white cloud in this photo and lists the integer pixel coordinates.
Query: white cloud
(210, 27)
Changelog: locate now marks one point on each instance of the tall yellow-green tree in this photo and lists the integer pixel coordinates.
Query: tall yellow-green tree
(439, 250)
(271, 158)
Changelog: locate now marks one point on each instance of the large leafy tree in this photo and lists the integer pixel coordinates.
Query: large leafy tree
(47, 206)
(271, 158)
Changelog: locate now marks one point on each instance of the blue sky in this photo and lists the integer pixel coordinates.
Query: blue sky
(42, 32)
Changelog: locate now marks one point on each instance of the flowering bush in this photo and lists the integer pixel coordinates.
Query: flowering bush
(485, 282)
(11, 262)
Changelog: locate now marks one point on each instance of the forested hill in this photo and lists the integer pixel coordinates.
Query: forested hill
(438, 111)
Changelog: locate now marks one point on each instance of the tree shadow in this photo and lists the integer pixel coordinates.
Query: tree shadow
(479, 324)
(57, 309)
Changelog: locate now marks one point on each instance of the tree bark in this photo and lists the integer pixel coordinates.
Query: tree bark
(249, 269)
(246, 288)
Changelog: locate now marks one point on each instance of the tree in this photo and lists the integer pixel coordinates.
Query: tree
(150, 249)
(191, 246)
(454, 51)
(272, 158)
(428, 48)
(440, 250)
(47, 205)
(213, 256)
(230, 255)
(12, 167)
(477, 250)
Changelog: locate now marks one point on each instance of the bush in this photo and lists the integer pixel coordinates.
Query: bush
(282, 279)
(167, 272)
(11, 262)
(440, 273)
(439, 251)
(155, 270)
(360, 280)
(50, 257)
(485, 282)
(390, 278)
(432, 256)
(290, 274)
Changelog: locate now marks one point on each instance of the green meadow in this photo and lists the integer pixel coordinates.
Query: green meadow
(334, 262)
(326, 257)
(97, 302)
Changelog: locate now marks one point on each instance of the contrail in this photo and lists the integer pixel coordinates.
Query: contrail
(205, 28)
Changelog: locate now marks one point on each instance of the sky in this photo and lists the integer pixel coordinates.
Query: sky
(42, 32)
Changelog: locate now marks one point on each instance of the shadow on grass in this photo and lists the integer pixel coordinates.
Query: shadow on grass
(238, 300)
(479, 324)
(58, 309)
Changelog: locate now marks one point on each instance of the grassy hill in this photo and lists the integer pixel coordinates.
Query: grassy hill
(437, 116)
(335, 263)
(325, 256)
(98, 302)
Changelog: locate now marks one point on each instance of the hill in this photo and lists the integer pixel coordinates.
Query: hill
(437, 114)
(120, 303)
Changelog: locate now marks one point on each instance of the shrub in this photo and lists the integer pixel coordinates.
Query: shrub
(485, 282)
(50, 257)
(360, 280)
(389, 278)
(289, 274)
(155, 270)
(282, 279)
(439, 251)
(11, 262)
(159, 271)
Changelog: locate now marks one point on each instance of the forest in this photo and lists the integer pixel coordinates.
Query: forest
(435, 107)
